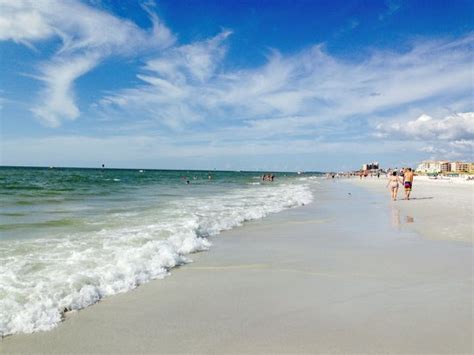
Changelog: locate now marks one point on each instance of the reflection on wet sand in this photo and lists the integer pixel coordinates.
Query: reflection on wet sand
(397, 219)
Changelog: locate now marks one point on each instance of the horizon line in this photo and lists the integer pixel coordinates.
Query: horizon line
(161, 169)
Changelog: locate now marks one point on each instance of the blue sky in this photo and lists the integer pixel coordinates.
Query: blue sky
(257, 85)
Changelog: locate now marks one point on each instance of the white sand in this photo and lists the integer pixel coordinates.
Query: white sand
(330, 277)
(438, 209)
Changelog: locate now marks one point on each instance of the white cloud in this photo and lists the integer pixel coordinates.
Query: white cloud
(79, 26)
(455, 150)
(195, 61)
(309, 98)
(451, 137)
(189, 83)
(87, 35)
(57, 101)
(174, 81)
(459, 126)
(22, 24)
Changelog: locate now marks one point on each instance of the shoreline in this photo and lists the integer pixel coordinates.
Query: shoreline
(327, 277)
(96, 235)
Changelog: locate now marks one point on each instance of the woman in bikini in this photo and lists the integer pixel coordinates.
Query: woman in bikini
(393, 183)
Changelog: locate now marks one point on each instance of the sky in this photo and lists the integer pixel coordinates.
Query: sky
(300, 85)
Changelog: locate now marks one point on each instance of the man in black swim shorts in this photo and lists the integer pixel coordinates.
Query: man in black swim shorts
(408, 182)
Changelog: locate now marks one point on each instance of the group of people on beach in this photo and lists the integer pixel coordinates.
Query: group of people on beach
(403, 177)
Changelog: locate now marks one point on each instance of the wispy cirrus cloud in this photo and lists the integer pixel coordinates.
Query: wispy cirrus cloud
(87, 36)
(190, 84)
(57, 98)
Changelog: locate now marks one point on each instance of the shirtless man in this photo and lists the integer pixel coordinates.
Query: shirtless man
(408, 182)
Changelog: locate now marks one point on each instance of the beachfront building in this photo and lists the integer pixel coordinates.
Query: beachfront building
(445, 167)
(372, 169)
(434, 167)
(371, 166)
(459, 167)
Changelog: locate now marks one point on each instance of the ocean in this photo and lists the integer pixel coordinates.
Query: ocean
(71, 236)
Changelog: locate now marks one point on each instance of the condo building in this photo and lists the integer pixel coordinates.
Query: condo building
(434, 166)
(444, 167)
(460, 167)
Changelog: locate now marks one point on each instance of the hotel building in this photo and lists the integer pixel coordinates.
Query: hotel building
(444, 167)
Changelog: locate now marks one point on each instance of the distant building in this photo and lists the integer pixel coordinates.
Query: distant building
(371, 166)
(459, 167)
(434, 167)
(445, 167)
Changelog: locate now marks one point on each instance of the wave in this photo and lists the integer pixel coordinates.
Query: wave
(41, 279)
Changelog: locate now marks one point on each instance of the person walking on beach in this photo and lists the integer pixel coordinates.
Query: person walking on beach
(408, 182)
(393, 183)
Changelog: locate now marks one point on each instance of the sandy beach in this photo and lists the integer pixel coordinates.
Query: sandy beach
(439, 208)
(200, 177)
(341, 275)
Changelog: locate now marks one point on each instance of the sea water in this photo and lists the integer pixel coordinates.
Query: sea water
(69, 237)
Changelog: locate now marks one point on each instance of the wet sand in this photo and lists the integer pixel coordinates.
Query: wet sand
(334, 276)
(438, 209)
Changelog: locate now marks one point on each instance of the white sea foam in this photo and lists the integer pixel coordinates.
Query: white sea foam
(40, 279)
(313, 178)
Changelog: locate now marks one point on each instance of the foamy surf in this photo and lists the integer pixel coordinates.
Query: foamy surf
(42, 278)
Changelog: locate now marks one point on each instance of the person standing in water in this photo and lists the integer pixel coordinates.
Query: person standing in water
(408, 182)
(393, 184)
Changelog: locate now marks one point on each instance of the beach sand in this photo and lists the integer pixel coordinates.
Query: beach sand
(438, 209)
(334, 276)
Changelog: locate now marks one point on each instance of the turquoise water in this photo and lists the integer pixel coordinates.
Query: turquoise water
(72, 236)
(42, 200)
